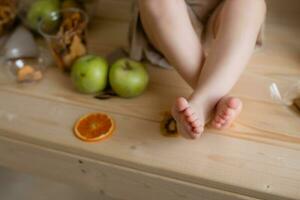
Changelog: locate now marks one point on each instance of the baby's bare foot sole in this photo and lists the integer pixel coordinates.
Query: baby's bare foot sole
(227, 110)
(188, 123)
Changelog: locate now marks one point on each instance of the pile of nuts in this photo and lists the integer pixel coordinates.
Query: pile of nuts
(8, 13)
(72, 41)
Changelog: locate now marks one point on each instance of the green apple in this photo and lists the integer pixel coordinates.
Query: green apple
(40, 9)
(89, 74)
(128, 78)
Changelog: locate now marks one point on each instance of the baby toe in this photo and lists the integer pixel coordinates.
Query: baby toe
(223, 122)
(228, 112)
(225, 117)
(217, 119)
(196, 135)
(198, 129)
(196, 123)
(218, 125)
(184, 122)
(188, 112)
(233, 103)
(181, 104)
(191, 118)
(220, 119)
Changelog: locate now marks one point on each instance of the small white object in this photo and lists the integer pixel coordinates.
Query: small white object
(19, 63)
(10, 116)
(275, 94)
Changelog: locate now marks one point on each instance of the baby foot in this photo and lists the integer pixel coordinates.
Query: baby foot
(228, 108)
(189, 124)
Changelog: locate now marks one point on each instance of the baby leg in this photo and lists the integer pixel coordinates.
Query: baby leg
(169, 28)
(239, 25)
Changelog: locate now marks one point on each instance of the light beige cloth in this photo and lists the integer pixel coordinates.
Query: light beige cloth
(203, 15)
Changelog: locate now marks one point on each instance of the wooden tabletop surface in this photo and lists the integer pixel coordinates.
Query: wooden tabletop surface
(259, 156)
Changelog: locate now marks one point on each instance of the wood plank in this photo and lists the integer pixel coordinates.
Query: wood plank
(108, 179)
(221, 162)
(114, 9)
(151, 105)
(264, 69)
(283, 12)
(260, 159)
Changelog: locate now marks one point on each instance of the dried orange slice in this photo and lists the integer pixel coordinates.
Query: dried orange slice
(25, 73)
(297, 103)
(94, 127)
(168, 126)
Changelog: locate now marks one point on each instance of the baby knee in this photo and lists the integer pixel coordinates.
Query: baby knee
(258, 7)
(155, 7)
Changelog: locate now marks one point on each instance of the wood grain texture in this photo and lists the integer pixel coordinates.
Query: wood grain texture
(259, 157)
(111, 181)
(275, 63)
(114, 9)
(234, 165)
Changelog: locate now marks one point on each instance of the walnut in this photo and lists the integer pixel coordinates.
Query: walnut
(72, 42)
(28, 74)
(297, 103)
(77, 49)
(8, 12)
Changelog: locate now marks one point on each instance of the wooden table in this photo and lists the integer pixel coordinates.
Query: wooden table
(257, 158)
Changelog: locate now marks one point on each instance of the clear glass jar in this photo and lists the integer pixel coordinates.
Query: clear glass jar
(25, 69)
(65, 32)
